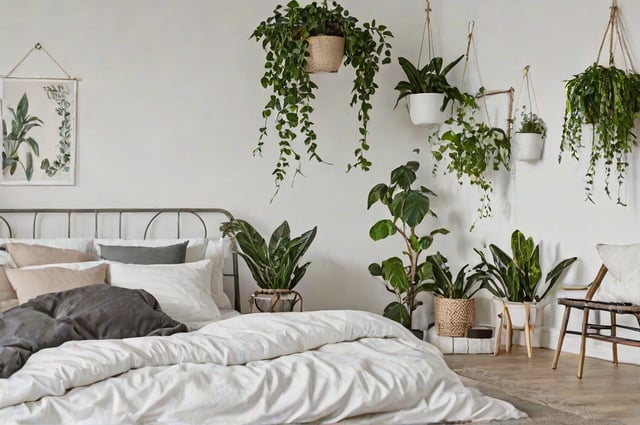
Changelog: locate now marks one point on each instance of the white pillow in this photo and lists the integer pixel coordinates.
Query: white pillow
(72, 266)
(77, 244)
(215, 252)
(623, 282)
(195, 247)
(181, 289)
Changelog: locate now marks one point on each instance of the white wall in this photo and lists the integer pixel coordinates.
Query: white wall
(170, 101)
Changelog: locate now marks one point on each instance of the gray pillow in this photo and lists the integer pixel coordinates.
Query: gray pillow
(170, 254)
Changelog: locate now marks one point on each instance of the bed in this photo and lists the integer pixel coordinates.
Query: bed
(159, 343)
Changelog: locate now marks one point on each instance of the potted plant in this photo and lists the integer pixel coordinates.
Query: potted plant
(607, 99)
(470, 148)
(530, 137)
(427, 90)
(408, 208)
(454, 307)
(274, 266)
(285, 39)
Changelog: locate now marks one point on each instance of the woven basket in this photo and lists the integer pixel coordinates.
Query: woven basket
(325, 53)
(454, 316)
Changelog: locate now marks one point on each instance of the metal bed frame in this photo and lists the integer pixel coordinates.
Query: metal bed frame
(39, 213)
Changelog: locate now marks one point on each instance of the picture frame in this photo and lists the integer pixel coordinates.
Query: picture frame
(38, 131)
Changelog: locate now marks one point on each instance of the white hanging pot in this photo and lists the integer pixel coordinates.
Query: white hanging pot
(424, 108)
(527, 146)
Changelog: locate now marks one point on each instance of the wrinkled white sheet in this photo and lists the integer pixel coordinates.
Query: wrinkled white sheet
(323, 366)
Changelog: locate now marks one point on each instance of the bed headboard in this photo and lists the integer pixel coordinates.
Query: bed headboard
(122, 223)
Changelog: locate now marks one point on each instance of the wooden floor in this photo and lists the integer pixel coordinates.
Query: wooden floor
(612, 391)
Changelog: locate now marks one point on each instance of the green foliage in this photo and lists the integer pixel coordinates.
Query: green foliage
(608, 99)
(444, 285)
(408, 208)
(21, 124)
(273, 266)
(470, 148)
(530, 122)
(283, 36)
(431, 78)
(60, 94)
(518, 278)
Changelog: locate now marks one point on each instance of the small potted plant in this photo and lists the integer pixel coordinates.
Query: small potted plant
(408, 208)
(427, 90)
(529, 139)
(274, 267)
(454, 307)
(288, 38)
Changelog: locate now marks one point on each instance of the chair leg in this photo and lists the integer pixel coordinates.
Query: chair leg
(563, 330)
(614, 346)
(527, 329)
(583, 341)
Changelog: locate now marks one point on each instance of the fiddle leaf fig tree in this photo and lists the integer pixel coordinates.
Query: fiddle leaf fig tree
(408, 208)
(284, 36)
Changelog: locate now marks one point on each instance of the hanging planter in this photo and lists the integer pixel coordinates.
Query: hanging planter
(290, 41)
(529, 139)
(606, 98)
(325, 53)
(426, 108)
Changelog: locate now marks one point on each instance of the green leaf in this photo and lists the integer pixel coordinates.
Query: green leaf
(411, 207)
(403, 176)
(29, 167)
(375, 269)
(379, 192)
(393, 271)
(397, 312)
(382, 229)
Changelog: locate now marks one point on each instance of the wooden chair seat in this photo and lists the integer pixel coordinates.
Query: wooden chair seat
(593, 330)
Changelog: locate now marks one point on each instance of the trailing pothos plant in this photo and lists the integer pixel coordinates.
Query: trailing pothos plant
(408, 208)
(470, 148)
(283, 36)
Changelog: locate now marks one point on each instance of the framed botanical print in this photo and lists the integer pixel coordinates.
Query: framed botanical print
(38, 131)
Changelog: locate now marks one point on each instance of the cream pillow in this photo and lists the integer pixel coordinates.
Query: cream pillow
(29, 283)
(623, 281)
(181, 289)
(76, 244)
(30, 255)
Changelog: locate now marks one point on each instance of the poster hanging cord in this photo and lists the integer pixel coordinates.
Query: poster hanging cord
(426, 30)
(38, 47)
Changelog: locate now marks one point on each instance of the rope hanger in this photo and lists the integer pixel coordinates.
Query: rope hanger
(527, 85)
(426, 30)
(37, 47)
(616, 32)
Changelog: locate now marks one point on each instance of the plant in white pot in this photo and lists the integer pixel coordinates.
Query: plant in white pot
(529, 139)
(427, 89)
(274, 266)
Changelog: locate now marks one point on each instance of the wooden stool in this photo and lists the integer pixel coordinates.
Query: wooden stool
(505, 322)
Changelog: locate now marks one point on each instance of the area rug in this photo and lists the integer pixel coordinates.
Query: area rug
(542, 408)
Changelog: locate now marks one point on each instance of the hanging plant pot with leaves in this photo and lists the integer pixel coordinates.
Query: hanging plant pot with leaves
(287, 38)
(529, 139)
(607, 99)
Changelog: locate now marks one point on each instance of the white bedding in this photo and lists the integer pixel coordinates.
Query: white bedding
(257, 368)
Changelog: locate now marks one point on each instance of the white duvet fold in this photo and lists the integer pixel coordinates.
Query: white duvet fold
(260, 368)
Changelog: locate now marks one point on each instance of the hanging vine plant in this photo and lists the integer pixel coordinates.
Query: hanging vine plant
(606, 98)
(284, 37)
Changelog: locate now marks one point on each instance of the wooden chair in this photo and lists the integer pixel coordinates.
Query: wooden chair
(592, 330)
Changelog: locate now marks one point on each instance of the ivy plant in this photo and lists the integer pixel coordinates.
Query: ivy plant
(608, 100)
(470, 148)
(60, 95)
(283, 36)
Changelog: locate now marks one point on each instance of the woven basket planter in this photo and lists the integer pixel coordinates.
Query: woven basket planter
(325, 53)
(454, 316)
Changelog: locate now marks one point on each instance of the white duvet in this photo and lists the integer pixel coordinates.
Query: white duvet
(324, 366)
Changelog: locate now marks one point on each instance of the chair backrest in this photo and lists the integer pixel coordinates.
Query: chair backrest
(593, 288)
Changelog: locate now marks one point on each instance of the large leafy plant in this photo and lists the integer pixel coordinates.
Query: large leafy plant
(274, 265)
(470, 148)
(463, 286)
(283, 36)
(608, 100)
(518, 277)
(21, 124)
(431, 78)
(408, 208)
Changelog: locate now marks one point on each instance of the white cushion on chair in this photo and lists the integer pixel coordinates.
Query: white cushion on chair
(623, 263)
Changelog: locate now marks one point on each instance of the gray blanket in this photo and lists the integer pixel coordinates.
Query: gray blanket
(91, 312)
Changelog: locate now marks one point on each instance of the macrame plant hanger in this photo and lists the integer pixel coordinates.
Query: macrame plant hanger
(426, 31)
(486, 93)
(615, 30)
(37, 48)
(526, 86)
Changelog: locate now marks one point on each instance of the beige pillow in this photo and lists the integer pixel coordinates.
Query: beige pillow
(31, 255)
(31, 283)
(6, 290)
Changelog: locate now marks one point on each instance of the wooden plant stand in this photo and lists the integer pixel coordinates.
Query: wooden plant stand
(505, 322)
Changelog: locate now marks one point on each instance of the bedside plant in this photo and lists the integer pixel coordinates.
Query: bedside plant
(274, 267)
(408, 208)
(284, 37)
(427, 89)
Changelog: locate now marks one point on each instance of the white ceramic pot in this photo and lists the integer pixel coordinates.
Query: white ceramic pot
(424, 108)
(527, 146)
